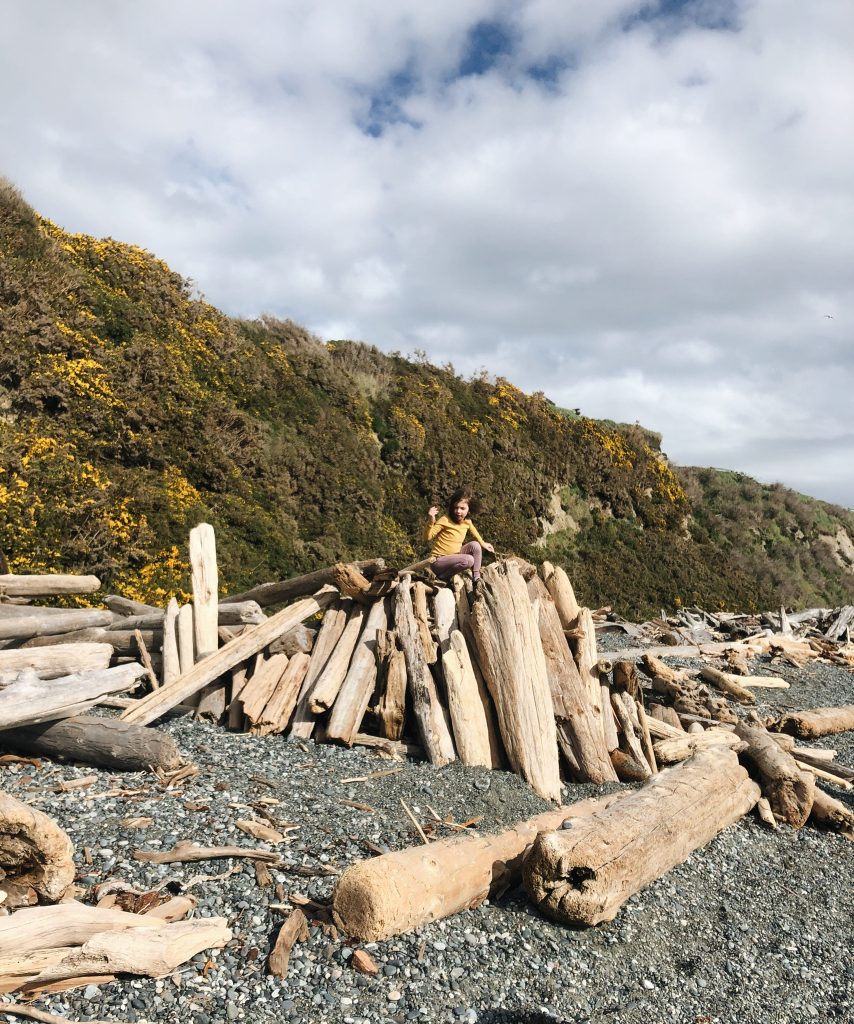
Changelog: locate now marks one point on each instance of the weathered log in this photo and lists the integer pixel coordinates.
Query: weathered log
(34, 850)
(587, 659)
(807, 725)
(832, 814)
(286, 590)
(625, 678)
(391, 675)
(296, 641)
(279, 708)
(186, 638)
(57, 585)
(52, 662)
(684, 745)
(186, 852)
(205, 582)
(789, 790)
(664, 713)
(51, 622)
(815, 758)
(171, 659)
(213, 700)
(126, 606)
(105, 742)
(430, 715)
(239, 678)
(422, 621)
(626, 715)
(351, 582)
(728, 684)
(358, 685)
(579, 729)
(239, 614)
(329, 681)
(844, 620)
(468, 709)
(396, 892)
(584, 874)
(646, 738)
(444, 616)
(245, 646)
(295, 929)
(331, 628)
(609, 722)
(261, 685)
(29, 699)
(562, 594)
(514, 667)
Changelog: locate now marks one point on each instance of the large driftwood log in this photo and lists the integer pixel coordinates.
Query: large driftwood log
(29, 699)
(430, 715)
(685, 744)
(396, 892)
(171, 658)
(514, 666)
(286, 590)
(243, 613)
(468, 707)
(809, 725)
(558, 585)
(584, 874)
(152, 706)
(205, 581)
(261, 685)
(789, 790)
(832, 814)
(127, 606)
(51, 622)
(279, 708)
(52, 662)
(105, 742)
(47, 586)
(391, 676)
(331, 628)
(729, 684)
(329, 681)
(358, 685)
(579, 729)
(34, 850)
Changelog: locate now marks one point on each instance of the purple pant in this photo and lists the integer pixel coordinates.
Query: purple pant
(469, 557)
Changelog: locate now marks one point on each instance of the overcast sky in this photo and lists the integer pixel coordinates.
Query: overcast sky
(645, 210)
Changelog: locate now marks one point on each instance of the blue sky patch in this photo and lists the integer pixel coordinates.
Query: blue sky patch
(385, 107)
(487, 43)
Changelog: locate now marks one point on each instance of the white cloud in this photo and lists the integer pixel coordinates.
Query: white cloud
(653, 229)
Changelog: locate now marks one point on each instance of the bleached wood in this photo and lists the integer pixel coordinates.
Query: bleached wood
(584, 874)
(663, 713)
(729, 684)
(358, 685)
(334, 671)
(331, 628)
(444, 615)
(563, 595)
(239, 678)
(832, 814)
(789, 790)
(171, 660)
(233, 654)
(279, 708)
(34, 851)
(205, 582)
(52, 662)
(38, 622)
(422, 619)
(818, 722)
(261, 686)
(64, 925)
(684, 745)
(465, 703)
(299, 586)
(29, 700)
(430, 715)
(646, 738)
(514, 667)
(587, 659)
(56, 585)
(391, 673)
(623, 707)
(186, 638)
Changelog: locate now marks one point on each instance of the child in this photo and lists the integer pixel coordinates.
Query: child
(447, 533)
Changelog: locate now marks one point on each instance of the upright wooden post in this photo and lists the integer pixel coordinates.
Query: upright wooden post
(205, 589)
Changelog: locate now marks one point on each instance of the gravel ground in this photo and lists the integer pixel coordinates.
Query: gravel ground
(757, 926)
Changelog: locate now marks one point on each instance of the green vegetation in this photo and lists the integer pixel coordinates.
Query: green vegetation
(130, 410)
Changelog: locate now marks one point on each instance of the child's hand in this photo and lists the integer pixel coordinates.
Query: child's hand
(432, 512)
(489, 548)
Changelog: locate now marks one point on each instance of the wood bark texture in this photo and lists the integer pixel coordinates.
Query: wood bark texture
(52, 662)
(809, 725)
(332, 676)
(34, 850)
(789, 790)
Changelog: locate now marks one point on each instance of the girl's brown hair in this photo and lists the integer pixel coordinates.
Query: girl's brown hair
(463, 494)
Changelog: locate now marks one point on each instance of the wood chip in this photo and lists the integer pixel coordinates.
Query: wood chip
(136, 822)
(258, 830)
(359, 807)
(295, 929)
(363, 962)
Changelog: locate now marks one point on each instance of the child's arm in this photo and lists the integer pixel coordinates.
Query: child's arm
(431, 527)
(473, 531)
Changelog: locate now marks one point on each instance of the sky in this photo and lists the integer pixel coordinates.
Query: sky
(644, 210)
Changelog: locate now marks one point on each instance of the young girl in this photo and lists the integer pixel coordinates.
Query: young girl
(447, 533)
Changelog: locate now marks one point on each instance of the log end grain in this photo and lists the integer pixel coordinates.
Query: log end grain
(34, 850)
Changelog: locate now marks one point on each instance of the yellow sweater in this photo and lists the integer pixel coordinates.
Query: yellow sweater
(447, 537)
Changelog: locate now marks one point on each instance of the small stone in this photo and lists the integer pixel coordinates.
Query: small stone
(395, 995)
(648, 985)
(93, 992)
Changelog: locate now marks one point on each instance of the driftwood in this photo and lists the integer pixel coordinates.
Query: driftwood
(631, 741)
(286, 590)
(279, 708)
(562, 594)
(396, 892)
(469, 707)
(685, 744)
(422, 621)
(584, 874)
(51, 622)
(245, 646)
(242, 613)
(331, 628)
(330, 679)
(186, 633)
(358, 684)
(299, 640)
(832, 814)
(625, 679)
(391, 676)
(261, 685)
(514, 666)
(126, 606)
(186, 852)
(808, 725)
(52, 662)
(587, 659)
(843, 621)
(351, 582)
(47, 586)
(729, 684)
(664, 713)
(789, 790)
(430, 715)
(34, 850)
(205, 581)
(104, 742)
(30, 700)
(294, 930)
(171, 659)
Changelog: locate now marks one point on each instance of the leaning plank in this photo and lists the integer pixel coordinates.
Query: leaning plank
(514, 666)
(468, 707)
(29, 699)
(245, 646)
(47, 586)
(808, 725)
(430, 715)
(396, 892)
(51, 662)
(279, 708)
(331, 628)
(584, 874)
(261, 685)
(329, 681)
(625, 712)
(171, 659)
(186, 638)
(188, 853)
(286, 590)
(358, 684)
(205, 580)
(789, 790)
(104, 742)
(34, 851)
(391, 673)
(47, 621)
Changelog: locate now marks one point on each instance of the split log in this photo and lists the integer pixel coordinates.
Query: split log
(279, 708)
(626, 715)
(351, 582)
(789, 790)
(558, 585)
(396, 892)
(30, 700)
(104, 742)
(579, 730)
(832, 814)
(330, 679)
(584, 874)
(34, 851)
(358, 685)
(261, 686)
(286, 590)
(422, 621)
(808, 725)
(205, 582)
(430, 715)
(391, 674)
(469, 707)
(514, 667)
(331, 628)
(55, 661)
(240, 614)
(152, 706)
(51, 622)
(629, 769)
(609, 722)
(171, 659)
(728, 684)
(186, 638)
(57, 585)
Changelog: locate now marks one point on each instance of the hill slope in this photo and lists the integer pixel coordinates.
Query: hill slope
(130, 410)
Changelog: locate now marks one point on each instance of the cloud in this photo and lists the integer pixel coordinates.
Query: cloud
(642, 209)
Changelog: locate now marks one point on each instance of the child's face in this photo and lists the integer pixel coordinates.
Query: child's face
(461, 510)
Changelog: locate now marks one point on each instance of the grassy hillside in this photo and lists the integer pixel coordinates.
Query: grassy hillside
(130, 410)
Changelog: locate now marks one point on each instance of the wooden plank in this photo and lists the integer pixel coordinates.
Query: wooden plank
(205, 577)
(51, 585)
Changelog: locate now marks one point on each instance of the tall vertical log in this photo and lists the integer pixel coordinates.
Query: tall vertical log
(429, 714)
(352, 701)
(171, 659)
(469, 711)
(205, 578)
(558, 585)
(279, 708)
(514, 666)
(261, 686)
(186, 638)
(391, 672)
(422, 618)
